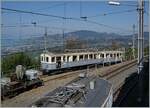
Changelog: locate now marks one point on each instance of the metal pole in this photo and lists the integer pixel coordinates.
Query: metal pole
(140, 46)
(133, 39)
(45, 42)
(140, 36)
(64, 20)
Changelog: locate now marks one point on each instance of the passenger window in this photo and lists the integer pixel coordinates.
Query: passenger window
(47, 59)
(53, 59)
(86, 56)
(102, 55)
(68, 58)
(81, 57)
(91, 56)
(107, 55)
(110, 55)
(74, 58)
(94, 56)
(63, 58)
(117, 55)
(41, 58)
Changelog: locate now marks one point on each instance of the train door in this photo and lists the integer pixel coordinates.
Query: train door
(58, 61)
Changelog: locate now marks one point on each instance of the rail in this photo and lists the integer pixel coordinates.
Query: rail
(109, 74)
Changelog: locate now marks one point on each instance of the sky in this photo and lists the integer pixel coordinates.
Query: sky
(121, 23)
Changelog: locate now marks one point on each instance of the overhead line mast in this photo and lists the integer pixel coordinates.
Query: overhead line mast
(140, 45)
(133, 40)
(45, 40)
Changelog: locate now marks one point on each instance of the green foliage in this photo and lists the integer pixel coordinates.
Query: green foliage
(146, 50)
(129, 54)
(9, 63)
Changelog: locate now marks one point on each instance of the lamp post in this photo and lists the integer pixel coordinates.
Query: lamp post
(140, 10)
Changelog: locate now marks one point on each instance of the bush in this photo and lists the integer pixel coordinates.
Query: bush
(10, 62)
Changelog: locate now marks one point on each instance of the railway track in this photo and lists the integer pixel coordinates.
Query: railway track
(114, 71)
(109, 74)
(52, 82)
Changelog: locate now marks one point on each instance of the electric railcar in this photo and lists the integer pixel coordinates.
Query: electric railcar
(51, 61)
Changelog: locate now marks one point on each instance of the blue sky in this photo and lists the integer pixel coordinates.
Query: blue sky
(89, 8)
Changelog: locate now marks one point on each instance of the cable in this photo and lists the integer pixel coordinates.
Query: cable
(71, 18)
(60, 4)
(39, 26)
(36, 13)
(110, 13)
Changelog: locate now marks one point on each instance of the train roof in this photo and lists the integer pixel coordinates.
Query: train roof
(77, 93)
(76, 53)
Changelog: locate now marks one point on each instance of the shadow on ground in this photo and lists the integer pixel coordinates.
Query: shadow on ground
(129, 93)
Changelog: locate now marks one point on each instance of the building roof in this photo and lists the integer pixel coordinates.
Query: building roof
(78, 93)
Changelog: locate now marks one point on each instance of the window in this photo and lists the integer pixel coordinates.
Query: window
(81, 57)
(68, 58)
(107, 55)
(58, 59)
(74, 58)
(41, 58)
(94, 56)
(64, 58)
(117, 54)
(47, 59)
(53, 59)
(110, 55)
(102, 55)
(86, 56)
(90, 56)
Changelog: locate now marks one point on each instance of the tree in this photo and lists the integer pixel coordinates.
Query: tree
(114, 45)
(9, 63)
(75, 43)
(129, 54)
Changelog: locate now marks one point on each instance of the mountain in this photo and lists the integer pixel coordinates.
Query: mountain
(92, 38)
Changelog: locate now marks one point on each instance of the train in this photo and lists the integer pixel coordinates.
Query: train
(60, 61)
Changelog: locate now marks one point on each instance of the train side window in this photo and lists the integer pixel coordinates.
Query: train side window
(110, 55)
(64, 58)
(90, 56)
(81, 57)
(86, 56)
(94, 56)
(117, 54)
(58, 59)
(74, 58)
(68, 58)
(53, 59)
(41, 58)
(107, 55)
(47, 59)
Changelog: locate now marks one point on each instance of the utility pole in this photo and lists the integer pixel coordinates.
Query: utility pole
(64, 21)
(63, 41)
(133, 42)
(140, 45)
(140, 36)
(45, 42)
